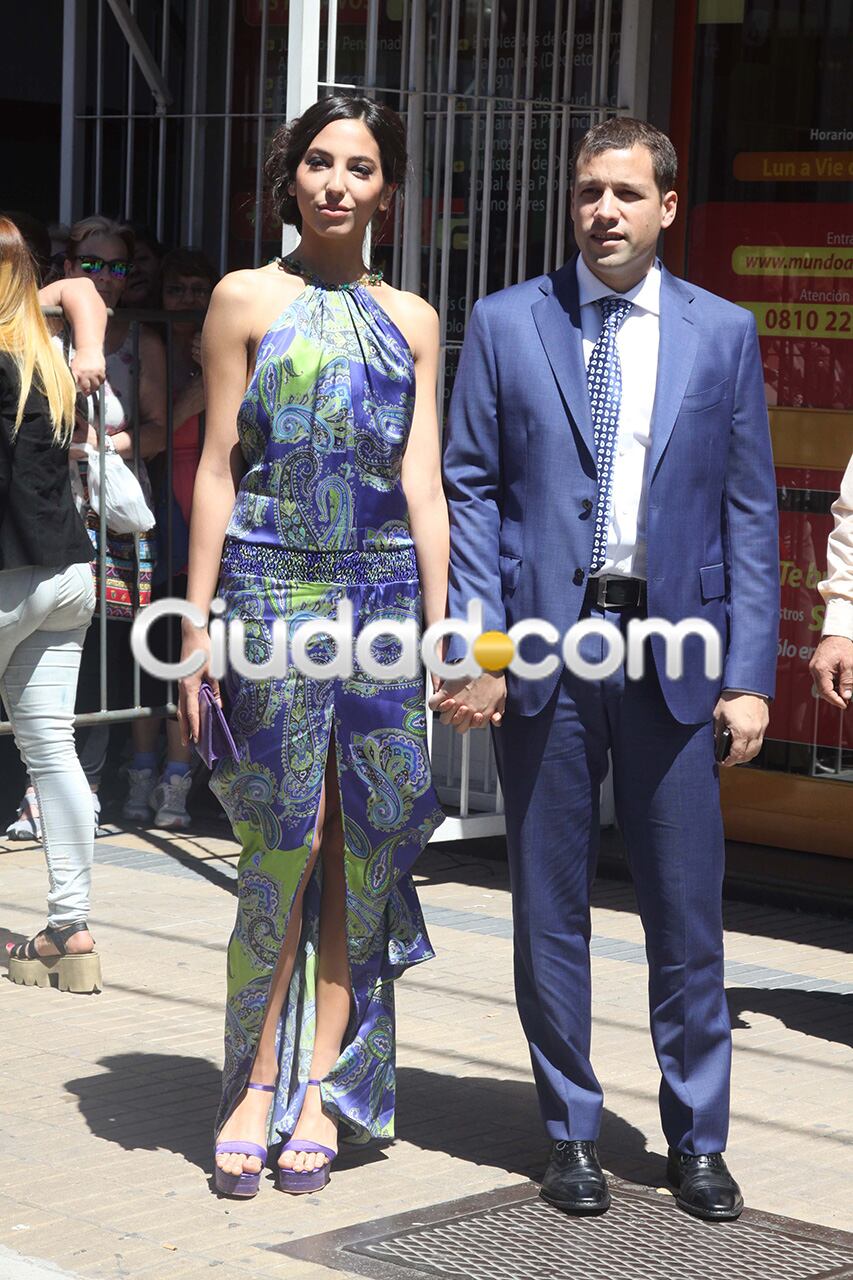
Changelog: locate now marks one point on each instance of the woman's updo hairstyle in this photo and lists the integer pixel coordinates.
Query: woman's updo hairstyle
(293, 139)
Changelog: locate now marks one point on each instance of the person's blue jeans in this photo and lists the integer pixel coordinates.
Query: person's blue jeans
(44, 614)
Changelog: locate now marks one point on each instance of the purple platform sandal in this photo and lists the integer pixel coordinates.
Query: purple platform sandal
(300, 1184)
(241, 1184)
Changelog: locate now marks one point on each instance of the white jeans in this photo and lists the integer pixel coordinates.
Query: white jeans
(44, 614)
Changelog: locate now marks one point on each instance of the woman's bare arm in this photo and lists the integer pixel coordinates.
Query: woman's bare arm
(87, 315)
(421, 475)
(225, 345)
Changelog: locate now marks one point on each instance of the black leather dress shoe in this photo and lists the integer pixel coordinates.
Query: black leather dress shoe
(704, 1185)
(574, 1180)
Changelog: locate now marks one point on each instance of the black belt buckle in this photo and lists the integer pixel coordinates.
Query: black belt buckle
(623, 593)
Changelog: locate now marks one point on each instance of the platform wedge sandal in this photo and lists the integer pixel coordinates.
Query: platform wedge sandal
(299, 1182)
(243, 1185)
(80, 973)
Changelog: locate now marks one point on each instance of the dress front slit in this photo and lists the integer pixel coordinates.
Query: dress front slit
(321, 516)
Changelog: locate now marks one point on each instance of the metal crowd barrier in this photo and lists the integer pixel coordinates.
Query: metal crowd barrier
(464, 770)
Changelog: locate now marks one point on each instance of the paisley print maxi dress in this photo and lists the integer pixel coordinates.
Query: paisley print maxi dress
(320, 515)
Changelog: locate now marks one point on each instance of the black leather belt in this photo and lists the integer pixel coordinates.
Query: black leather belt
(616, 593)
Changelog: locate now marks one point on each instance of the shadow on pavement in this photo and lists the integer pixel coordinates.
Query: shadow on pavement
(149, 1101)
(827, 1015)
(497, 1122)
(483, 863)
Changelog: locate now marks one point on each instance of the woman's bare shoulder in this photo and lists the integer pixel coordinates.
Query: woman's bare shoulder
(413, 316)
(254, 297)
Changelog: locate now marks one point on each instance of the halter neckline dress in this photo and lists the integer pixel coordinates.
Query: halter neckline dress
(321, 514)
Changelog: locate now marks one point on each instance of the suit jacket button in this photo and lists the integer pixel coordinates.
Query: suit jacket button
(578, 577)
(586, 506)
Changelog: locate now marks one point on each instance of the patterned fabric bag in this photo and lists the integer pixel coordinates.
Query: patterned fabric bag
(129, 565)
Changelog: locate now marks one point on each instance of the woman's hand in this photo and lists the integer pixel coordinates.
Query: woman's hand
(89, 368)
(189, 402)
(194, 638)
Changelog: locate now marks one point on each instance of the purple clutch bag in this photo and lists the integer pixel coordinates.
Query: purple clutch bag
(214, 736)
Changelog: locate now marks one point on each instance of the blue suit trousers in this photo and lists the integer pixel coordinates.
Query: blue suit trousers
(666, 787)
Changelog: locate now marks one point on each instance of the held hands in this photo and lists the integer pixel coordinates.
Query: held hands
(832, 670)
(470, 703)
(89, 369)
(747, 715)
(194, 638)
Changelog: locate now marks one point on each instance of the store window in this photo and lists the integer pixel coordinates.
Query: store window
(770, 165)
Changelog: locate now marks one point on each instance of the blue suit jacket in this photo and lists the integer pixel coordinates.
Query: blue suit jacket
(520, 459)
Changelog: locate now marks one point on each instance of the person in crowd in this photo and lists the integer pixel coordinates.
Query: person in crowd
(142, 287)
(188, 279)
(832, 662)
(102, 251)
(319, 482)
(46, 601)
(86, 316)
(608, 460)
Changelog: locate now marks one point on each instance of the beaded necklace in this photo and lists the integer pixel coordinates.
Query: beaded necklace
(293, 265)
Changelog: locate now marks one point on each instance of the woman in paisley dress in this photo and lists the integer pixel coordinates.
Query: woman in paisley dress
(319, 482)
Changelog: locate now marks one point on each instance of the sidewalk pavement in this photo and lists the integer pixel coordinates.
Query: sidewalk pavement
(107, 1101)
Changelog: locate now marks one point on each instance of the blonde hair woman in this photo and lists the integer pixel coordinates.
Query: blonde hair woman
(46, 601)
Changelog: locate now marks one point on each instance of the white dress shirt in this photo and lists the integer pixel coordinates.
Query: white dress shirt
(637, 342)
(837, 589)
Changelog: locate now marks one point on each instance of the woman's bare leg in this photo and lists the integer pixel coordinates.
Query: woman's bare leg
(248, 1121)
(334, 992)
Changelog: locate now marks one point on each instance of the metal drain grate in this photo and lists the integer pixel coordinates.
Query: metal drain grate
(510, 1234)
(636, 1241)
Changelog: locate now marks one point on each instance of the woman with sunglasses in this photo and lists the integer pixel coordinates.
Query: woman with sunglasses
(46, 602)
(103, 250)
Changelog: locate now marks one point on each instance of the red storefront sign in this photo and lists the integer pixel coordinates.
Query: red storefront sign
(805, 522)
(792, 266)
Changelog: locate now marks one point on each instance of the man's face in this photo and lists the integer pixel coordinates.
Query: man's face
(618, 214)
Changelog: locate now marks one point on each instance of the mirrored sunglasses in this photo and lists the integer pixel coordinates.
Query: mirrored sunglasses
(92, 266)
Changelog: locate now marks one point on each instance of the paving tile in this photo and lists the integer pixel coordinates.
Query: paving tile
(124, 1085)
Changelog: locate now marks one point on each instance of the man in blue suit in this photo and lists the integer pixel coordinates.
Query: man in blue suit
(608, 458)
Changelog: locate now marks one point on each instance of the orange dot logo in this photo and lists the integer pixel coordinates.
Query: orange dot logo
(493, 650)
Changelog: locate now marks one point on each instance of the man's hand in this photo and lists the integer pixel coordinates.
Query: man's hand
(832, 670)
(89, 369)
(472, 703)
(747, 715)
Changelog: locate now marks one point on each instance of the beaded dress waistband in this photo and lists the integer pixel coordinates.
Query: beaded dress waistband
(297, 564)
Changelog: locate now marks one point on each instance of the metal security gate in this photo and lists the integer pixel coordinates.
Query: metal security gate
(169, 106)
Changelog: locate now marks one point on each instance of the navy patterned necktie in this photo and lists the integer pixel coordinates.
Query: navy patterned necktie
(604, 380)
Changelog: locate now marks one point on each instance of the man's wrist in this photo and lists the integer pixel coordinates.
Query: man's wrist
(838, 620)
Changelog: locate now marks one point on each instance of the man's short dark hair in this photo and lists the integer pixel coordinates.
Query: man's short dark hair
(621, 133)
